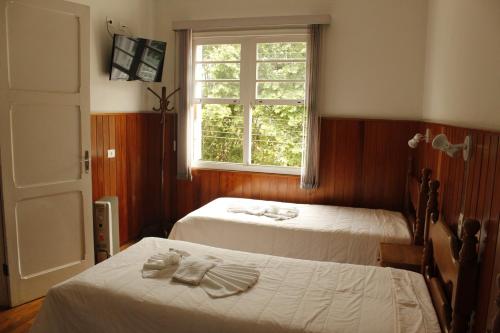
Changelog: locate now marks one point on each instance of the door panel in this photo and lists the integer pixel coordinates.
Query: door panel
(44, 134)
(34, 134)
(46, 226)
(30, 37)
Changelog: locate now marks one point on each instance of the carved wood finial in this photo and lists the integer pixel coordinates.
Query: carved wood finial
(422, 204)
(468, 252)
(496, 320)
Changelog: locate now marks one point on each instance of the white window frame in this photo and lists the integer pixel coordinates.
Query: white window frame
(248, 88)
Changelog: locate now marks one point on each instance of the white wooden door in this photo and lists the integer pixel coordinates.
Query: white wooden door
(44, 138)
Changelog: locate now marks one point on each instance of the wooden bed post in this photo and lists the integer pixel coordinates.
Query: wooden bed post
(465, 297)
(431, 216)
(432, 210)
(421, 209)
(496, 320)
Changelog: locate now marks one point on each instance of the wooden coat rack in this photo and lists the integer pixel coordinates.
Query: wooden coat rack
(164, 108)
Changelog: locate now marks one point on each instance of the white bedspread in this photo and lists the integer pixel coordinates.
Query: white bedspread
(291, 296)
(319, 232)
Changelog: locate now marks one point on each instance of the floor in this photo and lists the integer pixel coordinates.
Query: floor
(20, 318)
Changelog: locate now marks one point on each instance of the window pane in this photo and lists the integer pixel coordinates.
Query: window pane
(146, 73)
(217, 90)
(222, 133)
(117, 74)
(122, 59)
(277, 134)
(284, 50)
(281, 90)
(281, 71)
(218, 52)
(217, 71)
(127, 44)
(160, 46)
(152, 57)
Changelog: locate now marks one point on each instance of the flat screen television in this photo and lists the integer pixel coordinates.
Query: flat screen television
(137, 59)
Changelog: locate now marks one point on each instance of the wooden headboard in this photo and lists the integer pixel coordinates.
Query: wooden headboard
(450, 270)
(417, 190)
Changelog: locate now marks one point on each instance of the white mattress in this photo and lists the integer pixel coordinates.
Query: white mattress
(319, 232)
(291, 296)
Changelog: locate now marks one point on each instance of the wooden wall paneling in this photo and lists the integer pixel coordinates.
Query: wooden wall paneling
(112, 161)
(469, 188)
(474, 174)
(385, 163)
(133, 175)
(486, 207)
(93, 155)
(341, 158)
(230, 184)
(170, 188)
(352, 144)
(327, 173)
(122, 177)
(100, 155)
(131, 168)
(454, 179)
(104, 159)
(155, 163)
(494, 226)
(184, 198)
(209, 189)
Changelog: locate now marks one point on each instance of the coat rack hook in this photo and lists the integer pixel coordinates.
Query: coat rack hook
(164, 99)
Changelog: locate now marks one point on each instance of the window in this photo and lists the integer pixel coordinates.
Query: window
(249, 96)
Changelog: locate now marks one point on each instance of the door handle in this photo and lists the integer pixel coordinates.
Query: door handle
(86, 161)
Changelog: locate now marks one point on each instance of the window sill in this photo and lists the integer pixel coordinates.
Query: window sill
(246, 168)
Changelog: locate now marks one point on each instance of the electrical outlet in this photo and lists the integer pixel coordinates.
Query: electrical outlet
(111, 153)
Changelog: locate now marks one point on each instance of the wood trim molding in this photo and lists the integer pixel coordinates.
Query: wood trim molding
(251, 22)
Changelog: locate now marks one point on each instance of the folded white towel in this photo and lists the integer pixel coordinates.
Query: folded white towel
(159, 262)
(281, 213)
(253, 210)
(208, 272)
(275, 212)
(228, 279)
(192, 269)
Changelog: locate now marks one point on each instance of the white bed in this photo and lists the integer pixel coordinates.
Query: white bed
(291, 295)
(319, 232)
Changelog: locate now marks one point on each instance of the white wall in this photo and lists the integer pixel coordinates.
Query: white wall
(116, 96)
(462, 81)
(373, 56)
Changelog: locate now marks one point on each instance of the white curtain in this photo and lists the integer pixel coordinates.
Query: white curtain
(185, 109)
(309, 177)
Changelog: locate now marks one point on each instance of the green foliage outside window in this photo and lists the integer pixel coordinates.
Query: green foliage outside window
(222, 133)
(276, 130)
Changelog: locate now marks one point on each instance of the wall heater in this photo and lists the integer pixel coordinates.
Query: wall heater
(106, 233)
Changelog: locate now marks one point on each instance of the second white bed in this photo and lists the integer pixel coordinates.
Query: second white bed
(319, 232)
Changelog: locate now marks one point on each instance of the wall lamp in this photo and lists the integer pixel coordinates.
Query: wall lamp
(441, 143)
(413, 142)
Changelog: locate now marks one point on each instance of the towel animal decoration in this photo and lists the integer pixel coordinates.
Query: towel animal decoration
(275, 212)
(209, 273)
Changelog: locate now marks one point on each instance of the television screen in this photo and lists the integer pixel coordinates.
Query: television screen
(137, 59)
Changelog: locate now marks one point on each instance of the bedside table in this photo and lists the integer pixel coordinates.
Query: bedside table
(401, 256)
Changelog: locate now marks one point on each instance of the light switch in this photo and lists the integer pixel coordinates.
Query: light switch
(111, 153)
